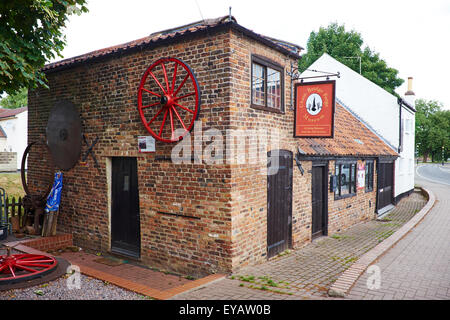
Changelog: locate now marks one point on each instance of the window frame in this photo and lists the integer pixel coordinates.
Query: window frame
(367, 180)
(267, 63)
(352, 183)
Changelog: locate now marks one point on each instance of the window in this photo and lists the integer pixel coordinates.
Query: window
(267, 85)
(369, 176)
(407, 126)
(346, 180)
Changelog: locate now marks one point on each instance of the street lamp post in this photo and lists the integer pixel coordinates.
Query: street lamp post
(442, 155)
(417, 152)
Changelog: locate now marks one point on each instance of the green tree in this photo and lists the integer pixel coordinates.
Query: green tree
(30, 35)
(346, 47)
(432, 129)
(16, 100)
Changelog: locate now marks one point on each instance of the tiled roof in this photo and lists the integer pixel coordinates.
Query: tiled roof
(208, 24)
(6, 113)
(351, 138)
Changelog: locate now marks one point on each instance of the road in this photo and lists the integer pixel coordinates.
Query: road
(434, 173)
(418, 266)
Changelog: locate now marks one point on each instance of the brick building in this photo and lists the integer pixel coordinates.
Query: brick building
(196, 217)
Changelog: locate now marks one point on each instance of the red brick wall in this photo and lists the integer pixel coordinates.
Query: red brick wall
(343, 213)
(249, 192)
(105, 92)
(49, 243)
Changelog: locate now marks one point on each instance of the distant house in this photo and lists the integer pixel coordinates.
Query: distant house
(13, 133)
(392, 119)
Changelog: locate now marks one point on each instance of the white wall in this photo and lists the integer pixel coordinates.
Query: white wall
(16, 129)
(404, 174)
(377, 108)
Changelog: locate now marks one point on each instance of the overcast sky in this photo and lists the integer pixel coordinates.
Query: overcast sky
(411, 36)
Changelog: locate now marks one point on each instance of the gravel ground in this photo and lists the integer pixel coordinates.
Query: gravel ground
(90, 289)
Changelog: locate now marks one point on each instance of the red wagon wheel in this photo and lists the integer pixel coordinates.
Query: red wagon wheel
(168, 99)
(23, 267)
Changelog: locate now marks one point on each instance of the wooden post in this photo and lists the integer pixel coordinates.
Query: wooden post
(13, 205)
(20, 214)
(50, 222)
(54, 223)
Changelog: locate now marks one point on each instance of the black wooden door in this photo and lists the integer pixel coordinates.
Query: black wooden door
(385, 184)
(125, 225)
(279, 203)
(319, 201)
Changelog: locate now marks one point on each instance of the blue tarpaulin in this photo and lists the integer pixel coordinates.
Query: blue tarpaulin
(54, 197)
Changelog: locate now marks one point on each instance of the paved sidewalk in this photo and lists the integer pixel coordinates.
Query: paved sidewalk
(418, 267)
(308, 273)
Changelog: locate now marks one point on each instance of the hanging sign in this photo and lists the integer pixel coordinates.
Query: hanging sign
(361, 176)
(146, 144)
(314, 109)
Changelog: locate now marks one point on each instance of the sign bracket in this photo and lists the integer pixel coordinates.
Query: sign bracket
(294, 73)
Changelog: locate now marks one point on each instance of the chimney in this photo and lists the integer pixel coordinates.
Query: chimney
(410, 96)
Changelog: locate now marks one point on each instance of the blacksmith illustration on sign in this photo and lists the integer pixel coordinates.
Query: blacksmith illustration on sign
(314, 111)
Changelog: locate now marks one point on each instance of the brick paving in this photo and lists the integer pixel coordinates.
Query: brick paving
(308, 273)
(153, 278)
(418, 267)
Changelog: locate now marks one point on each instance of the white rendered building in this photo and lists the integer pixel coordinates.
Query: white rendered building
(389, 117)
(14, 123)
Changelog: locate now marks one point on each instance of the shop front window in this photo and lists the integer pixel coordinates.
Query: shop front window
(369, 176)
(346, 180)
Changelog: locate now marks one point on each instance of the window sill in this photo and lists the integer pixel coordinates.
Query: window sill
(345, 196)
(263, 108)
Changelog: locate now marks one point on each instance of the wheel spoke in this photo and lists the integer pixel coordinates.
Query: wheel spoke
(186, 95)
(157, 114)
(27, 257)
(151, 92)
(162, 124)
(35, 265)
(181, 85)
(34, 261)
(12, 271)
(27, 269)
(182, 107)
(3, 267)
(21, 256)
(159, 84)
(165, 76)
(150, 105)
(179, 118)
(174, 76)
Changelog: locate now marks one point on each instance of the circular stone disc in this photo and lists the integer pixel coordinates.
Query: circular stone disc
(64, 134)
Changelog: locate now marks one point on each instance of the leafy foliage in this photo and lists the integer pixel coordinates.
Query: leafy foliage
(432, 129)
(16, 100)
(346, 47)
(30, 35)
